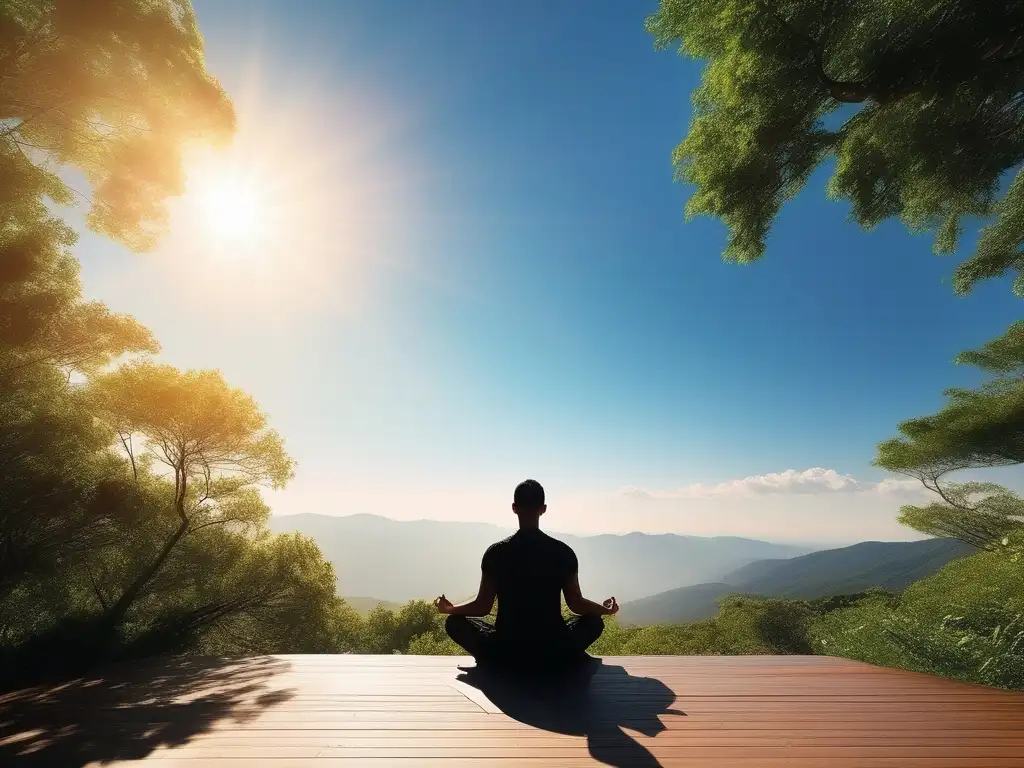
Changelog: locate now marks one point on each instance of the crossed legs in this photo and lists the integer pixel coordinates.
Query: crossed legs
(480, 639)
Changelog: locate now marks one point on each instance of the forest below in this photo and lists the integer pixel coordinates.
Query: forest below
(131, 518)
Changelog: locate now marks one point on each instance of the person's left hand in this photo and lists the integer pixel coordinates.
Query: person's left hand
(611, 607)
(443, 604)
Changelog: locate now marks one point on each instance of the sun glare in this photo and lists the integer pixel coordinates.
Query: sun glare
(285, 218)
(231, 207)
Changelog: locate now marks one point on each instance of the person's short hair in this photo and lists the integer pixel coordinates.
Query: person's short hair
(529, 496)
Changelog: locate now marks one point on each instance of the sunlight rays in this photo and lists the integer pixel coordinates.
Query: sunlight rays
(232, 205)
(296, 213)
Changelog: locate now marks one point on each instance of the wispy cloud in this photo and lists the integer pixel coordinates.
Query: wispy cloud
(816, 480)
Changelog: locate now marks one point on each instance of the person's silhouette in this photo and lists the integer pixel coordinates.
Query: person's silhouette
(528, 572)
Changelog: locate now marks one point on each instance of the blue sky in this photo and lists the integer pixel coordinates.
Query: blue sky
(484, 274)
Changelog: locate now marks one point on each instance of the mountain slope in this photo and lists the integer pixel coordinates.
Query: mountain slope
(396, 561)
(692, 603)
(890, 565)
(886, 564)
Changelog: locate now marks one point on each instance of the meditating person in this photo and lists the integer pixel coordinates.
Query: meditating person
(528, 572)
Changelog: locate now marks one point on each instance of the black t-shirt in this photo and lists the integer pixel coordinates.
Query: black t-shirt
(529, 570)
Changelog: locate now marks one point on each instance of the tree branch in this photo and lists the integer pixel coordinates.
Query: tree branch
(221, 521)
(126, 442)
(96, 588)
(846, 91)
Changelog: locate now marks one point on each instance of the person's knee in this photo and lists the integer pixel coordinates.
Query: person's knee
(456, 626)
(592, 625)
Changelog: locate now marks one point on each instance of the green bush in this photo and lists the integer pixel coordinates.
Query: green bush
(434, 644)
(964, 622)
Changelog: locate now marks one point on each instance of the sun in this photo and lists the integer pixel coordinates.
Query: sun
(232, 208)
(288, 217)
(230, 205)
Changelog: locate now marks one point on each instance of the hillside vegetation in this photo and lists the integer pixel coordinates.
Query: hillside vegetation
(962, 622)
(364, 605)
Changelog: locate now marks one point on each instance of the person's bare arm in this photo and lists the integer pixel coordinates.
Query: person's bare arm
(579, 605)
(480, 605)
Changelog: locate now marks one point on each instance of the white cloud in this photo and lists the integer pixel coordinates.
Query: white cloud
(815, 480)
(900, 485)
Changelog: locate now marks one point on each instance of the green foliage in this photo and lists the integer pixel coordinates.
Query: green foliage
(697, 638)
(981, 514)
(742, 626)
(363, 605)
(919, 104)
(965, 622)
(115, 89)
(213, 439)
(434, 644)
(415, 628)
(1003, 355)
(935, 127)
(978, 428)
(130, 517)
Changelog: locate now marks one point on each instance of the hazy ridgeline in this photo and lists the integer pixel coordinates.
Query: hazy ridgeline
(398, 560)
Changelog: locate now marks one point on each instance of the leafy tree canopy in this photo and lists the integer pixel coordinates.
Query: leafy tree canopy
(984, 515)
(113, 88)
(211, 439)
(43, 319)
(978, 428)
(162, 544)
(919, 102)
(53, 502)
(205, 431)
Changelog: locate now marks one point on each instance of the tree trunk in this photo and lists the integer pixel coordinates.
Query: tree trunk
(114, 615)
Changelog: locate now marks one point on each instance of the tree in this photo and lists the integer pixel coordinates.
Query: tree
(924, 106)
(43, 319)
(113, 88)
(977, 429)
(379, 630)
(226, 592)
(416, 618)
(983, 515)
(415, 625)
(58, 497)
(213, 441)
(52, 502)
(164, 547)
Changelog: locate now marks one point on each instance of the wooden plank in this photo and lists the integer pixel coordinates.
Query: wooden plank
(504, 750)
(387, 711)
(883, 726)
(536, 736)
(577, 762)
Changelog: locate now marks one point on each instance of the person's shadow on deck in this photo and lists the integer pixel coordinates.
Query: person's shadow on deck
(596, 702)
(130, 709)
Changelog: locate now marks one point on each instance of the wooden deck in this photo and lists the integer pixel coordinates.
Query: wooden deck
(382, 711)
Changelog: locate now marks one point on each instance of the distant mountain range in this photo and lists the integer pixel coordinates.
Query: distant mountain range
(396, 561)
(890, 565)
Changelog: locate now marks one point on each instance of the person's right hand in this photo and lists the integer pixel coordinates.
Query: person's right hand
(443, 604)
(610, 606)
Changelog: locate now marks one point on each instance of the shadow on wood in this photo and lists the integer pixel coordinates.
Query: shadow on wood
(598, 702)
(127, 711)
